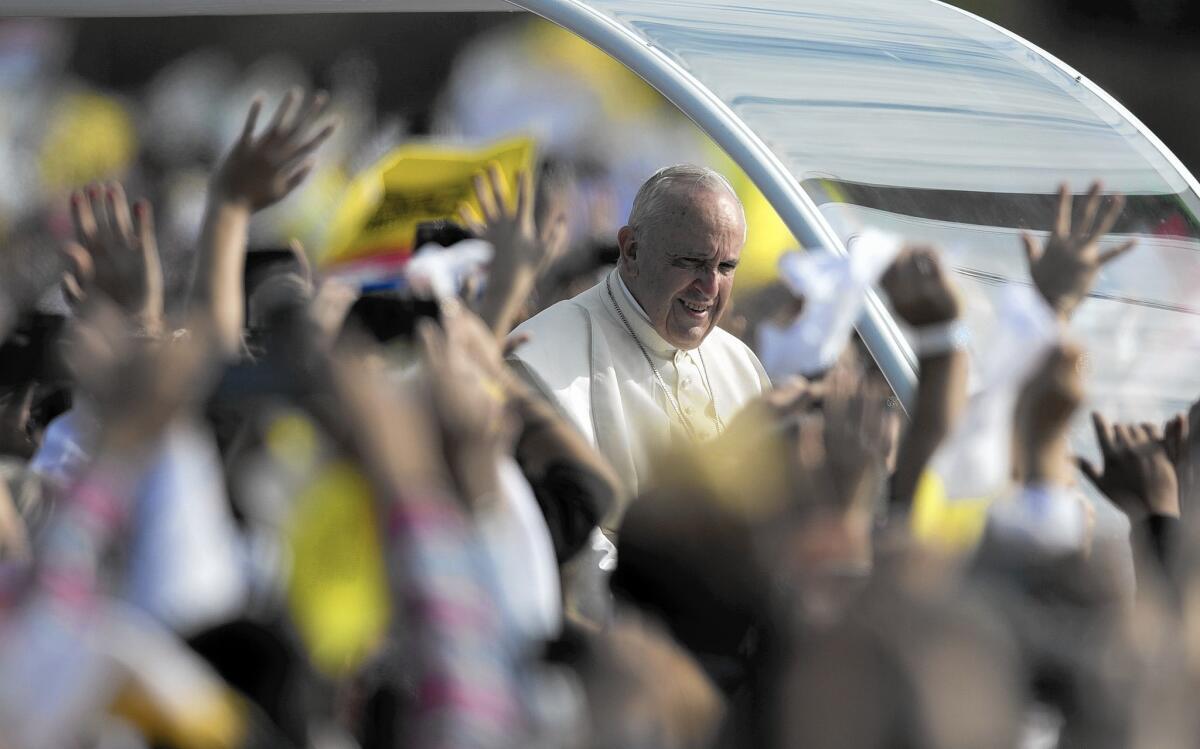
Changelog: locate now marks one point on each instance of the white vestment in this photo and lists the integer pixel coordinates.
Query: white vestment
(583, 358)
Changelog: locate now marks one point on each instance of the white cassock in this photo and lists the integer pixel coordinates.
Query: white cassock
(583, 358)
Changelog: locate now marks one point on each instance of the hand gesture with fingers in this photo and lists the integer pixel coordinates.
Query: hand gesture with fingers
(520, 252)
(511, 229)
(116, 253)
(261, 170)
(1065, 268)
(1136, 474)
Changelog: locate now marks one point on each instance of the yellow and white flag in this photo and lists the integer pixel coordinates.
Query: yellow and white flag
(376, 221)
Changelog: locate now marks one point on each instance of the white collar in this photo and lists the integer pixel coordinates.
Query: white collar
(638, 319)
(632, 300)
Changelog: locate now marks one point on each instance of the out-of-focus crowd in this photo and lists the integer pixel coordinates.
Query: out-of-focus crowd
(535, 488)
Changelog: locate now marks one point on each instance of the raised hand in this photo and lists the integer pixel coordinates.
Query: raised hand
(859, 430)
(509, 227)
(920, 289)
(136, 385)
(1043, 415)
(922, 294)
(1181, 438)
(115, 252)
(463, 363)
(1137, 473)
(261, 170)
(521, 251)
(1066, 266)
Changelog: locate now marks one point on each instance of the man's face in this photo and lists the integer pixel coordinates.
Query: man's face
(680, 269)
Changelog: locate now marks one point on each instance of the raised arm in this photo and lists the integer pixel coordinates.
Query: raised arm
(923, 296)
(573, 484)
(1065, 267)
(1138, 476)
(522, 252)
(258, 172)
(453, 629)
(115, 253)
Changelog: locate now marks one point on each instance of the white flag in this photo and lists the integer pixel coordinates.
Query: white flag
(833, 288)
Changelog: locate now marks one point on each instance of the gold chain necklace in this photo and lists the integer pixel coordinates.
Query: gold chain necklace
(687, 424)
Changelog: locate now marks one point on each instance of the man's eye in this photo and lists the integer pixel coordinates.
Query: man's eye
(727, 268)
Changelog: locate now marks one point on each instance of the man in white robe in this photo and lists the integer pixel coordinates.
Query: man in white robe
(637, 362)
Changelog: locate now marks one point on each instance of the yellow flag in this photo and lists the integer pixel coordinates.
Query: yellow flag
(415, 183)
(337, 591)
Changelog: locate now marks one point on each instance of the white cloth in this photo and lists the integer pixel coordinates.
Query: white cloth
(834, 288)
(581, 356)
(975, 462)
(442, 270)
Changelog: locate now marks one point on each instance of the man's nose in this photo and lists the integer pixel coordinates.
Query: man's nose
(707, 281)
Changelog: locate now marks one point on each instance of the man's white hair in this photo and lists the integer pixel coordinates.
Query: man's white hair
(656, 193)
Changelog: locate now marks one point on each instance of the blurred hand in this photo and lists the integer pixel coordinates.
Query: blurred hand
(463, 363)
(510, 228)
(135, 384)
(1182, 441)
(769, 412)
(1043, 415)
(1050, 397)
(859, 429)
(1137, 476)
(262, 170)
(115, 253)
(920, 289)
(1065, 268)
(389, 427)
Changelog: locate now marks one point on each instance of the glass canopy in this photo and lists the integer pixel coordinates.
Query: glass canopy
(914, 117)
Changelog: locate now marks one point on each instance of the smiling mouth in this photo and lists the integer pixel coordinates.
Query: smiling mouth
(695, 309)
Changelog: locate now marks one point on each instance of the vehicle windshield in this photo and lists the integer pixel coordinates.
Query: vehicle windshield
(913, 117)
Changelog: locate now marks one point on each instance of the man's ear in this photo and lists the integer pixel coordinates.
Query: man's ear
(627, 243)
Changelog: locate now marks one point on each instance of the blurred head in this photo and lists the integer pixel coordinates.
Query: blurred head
(680, 249)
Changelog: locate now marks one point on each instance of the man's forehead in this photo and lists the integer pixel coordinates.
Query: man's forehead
(700, 213)
(703, 253)
(701, 197)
